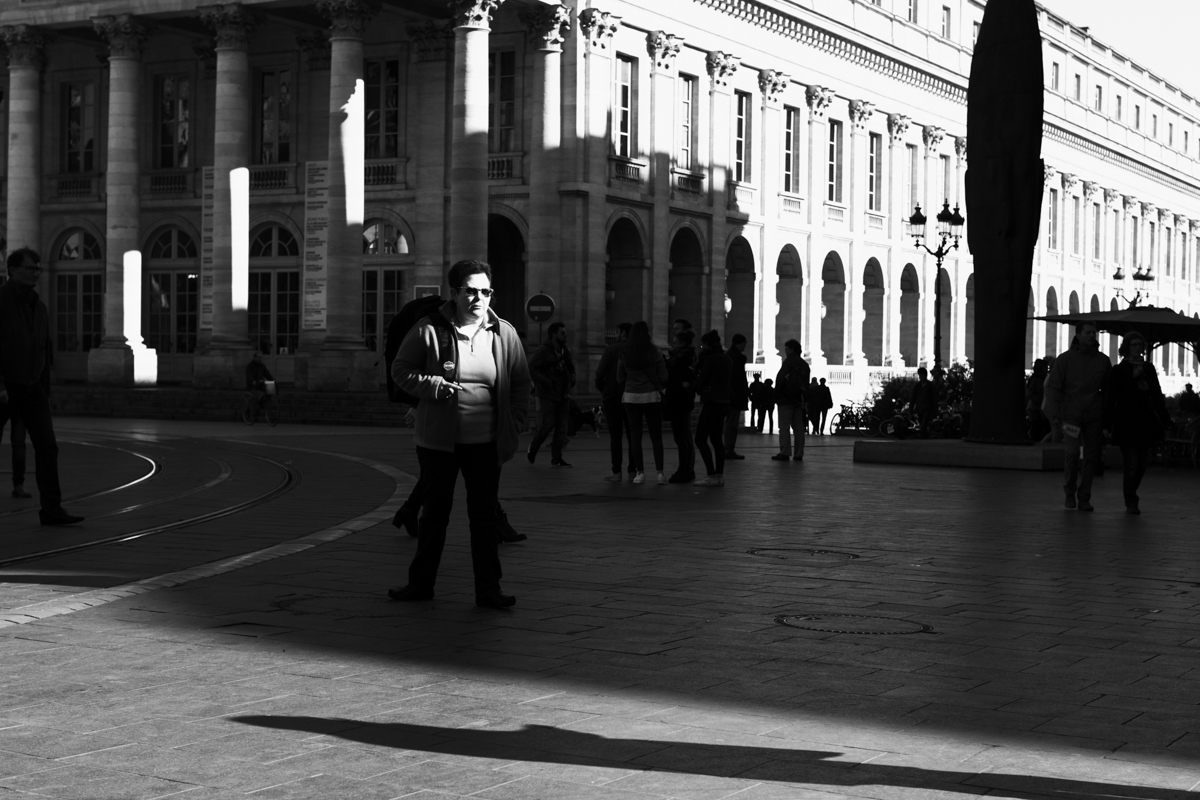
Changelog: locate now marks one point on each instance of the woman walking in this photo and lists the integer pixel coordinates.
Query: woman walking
(644, 372)
(1136, 413)
(713, 387)
(681, 399)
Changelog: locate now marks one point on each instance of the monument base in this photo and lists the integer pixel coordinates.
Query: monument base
(341, 371)
(957, 453)
(221, 368)
(122, 365)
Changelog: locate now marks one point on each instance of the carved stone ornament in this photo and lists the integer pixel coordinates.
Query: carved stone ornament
(819, 100)
(1090, 188)
(548, 26)
(230, 23)
(1195, 227)
(932, 136)
(897, 126)
(473, 13)
(316, 48)
(721, 67)
(598, 27)
(1131, 203)
(1069, 181)
(123, 33)
(1165, 216)
(1149, 210)
(772, 83)
(1181, 222)
(1049, 173)
(24, 44)
(663, 47)
(433, 41)
(960, 147)
(1111, 196)
(860, 112)
(348, 18)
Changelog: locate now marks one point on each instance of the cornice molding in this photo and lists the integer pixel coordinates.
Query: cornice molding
(1107, 154)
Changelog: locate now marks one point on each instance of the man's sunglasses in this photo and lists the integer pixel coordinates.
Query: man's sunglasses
(471, 291)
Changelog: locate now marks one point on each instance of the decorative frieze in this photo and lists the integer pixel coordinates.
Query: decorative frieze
(1069, 181)
(663, 48)
(819, 100)
(860, 112)
(897, 126)
(473, 13)
(960, 147)
(433, 41)
(230, 23)
(123, 33)
(24, 44)
(721, 67)
(598, 27)
(772, 82)
(548, 26)
(348, 19)
(932, 136)
(316, 49)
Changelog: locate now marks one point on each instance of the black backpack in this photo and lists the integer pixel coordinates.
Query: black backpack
(408, 316)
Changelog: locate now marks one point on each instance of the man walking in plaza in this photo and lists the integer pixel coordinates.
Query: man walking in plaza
(553, 371)
(791, 390)
(25, 357)
(739, 396)
(825, 398)
(1075, 399)
(610, 392)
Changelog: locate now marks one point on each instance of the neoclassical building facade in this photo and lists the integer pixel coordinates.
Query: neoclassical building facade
(748, 165)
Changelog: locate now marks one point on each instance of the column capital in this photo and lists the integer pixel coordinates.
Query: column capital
(1165, 216)
(897, 126)
(1111, 196)
(663, 47)
(1148, 209)
(315, 47)
(772, 82)
(932, 136)
(230, 23)
(1090, 189)
(1195, 227)
(24, 43)
(1131, 202)
(123, 33)
(1049, 173)
(721, 66)
(548, 26)
(960, 147)
(473, 13)
(819, 99)
(434, 41)
(598, 27)
(860, 111)
(1181, 221)
(348, 18)
(1069, 181)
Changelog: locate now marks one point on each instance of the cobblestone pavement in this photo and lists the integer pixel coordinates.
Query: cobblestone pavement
(815, 629)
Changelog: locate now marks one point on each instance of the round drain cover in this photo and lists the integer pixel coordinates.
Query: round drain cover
(853, 623)
(804, 554)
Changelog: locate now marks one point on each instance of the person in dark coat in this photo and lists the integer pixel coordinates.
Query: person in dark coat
(614, 411)
(739, 395)
(924, 401)
(552, 369)
(1189, 401)
(18, 457)
(792, 392)
(1075, 401)
(1135, 412)
(1035, 394)
(713, 386)
(681, 399)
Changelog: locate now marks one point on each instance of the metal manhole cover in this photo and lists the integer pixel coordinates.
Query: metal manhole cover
(853, 623)
(825, 558)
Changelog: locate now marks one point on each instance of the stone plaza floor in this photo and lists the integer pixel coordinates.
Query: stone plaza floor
(815, 629)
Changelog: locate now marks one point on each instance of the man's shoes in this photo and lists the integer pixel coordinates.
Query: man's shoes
(531, 455)
(1069, 502)
(1084, 505)
(662, 479)
(711, 480)
(639, 478)
(781, 457)
(405, 519)
(58, 516)
(735, 456)
(494, 599)
(679, 477)
(1132, 510)
(19, 492)
(410, 594)
(512, 538)
(613, 478)
(558, 462)
(798, 457)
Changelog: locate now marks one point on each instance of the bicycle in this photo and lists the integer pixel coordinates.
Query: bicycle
(857, 419)
(268, 404)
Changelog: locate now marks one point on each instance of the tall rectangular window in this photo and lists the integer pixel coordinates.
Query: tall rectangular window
(974, 32)
(1137, 117)
(945, 179)
(623, 106)
(172, 147)
(1119, 109)
(1168, 245)
(946, 22)
(1183, 265)
(1078, 87)
(688, 87)
(1185, 142)
(275, 116)
(502, 101)
(912, 183)
(79, 127)
(381, 78)
(1098, 100)
(834, 180)
(1133, 241)
(791, 150)
(875, 173)
(1076, 226)
(912, 10)
(741, 138)
(1154, 126)
(1096, 244)
(1052, 227)
(1116, 229)
(1170, 134)
(1152, 248)
(1054, 76)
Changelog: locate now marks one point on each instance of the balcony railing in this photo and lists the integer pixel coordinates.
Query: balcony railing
(791, 203)
(176, 181)
(875, 222)
(741, 197)
(625, 171)
(504, 166)
(689, 184)
(74, 188)
(385, 172)
(841, 376)
(835, 214)
(272, 177)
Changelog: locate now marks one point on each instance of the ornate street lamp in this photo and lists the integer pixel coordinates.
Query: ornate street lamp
(949, 231)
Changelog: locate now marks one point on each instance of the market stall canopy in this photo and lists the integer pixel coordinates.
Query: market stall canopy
(1158, 325)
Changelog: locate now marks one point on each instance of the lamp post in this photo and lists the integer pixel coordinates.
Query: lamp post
(950, 226)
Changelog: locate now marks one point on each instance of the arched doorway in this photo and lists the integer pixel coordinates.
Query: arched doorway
(945, 291)
(872, 306)
(969, 313)
(910, 314)
(739, 287)
(1051, 327)
(506, 255)
(789, 296)
(77, 313)
(172, 318)
(625, 276)
(687, 279)
(833, 311)
(1073, 303)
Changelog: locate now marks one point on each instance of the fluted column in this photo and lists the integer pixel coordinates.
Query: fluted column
(112, 361)
(898, 214)
(859, 113)
(769, 350)
(24, 224)
(721, 66)
(818, 100)
(433, 45)
(662, 48)
(597, 28)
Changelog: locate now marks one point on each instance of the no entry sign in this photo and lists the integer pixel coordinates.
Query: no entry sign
(540, 308)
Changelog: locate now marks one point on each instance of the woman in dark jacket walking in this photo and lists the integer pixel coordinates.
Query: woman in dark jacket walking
(643, 370)
(1136, 413)
(713, 387)
(681, 399)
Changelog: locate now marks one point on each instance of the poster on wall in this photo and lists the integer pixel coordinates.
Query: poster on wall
(208, 195)
(316, 244)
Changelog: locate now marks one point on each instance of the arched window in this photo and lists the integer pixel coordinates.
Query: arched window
(172, 292)
(385, 247)
(382, 238)
(78, 269)
(275, 291)
(274, 241)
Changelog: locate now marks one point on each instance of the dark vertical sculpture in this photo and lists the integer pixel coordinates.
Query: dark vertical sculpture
(1004, 202)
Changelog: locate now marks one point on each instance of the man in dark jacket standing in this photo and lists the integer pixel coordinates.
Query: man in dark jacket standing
(1075, 399)
(25, 375)
(610, 392)
(739, 395)
(553, 373)
(791, 389)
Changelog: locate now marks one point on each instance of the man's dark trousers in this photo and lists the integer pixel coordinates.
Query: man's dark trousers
(481, 476)
(33, 407)
(618, 426)
(552, 417)
(17, 432)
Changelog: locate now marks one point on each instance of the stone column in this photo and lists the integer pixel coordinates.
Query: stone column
(818, 100)
(222, 362)
(343, 363)
(898, 214)
(112, 361)
(932, 137)
(859, 113)
(721, 67)
(772, 83)
(958, 344)
(24, 224)
(434, 44)
(662, 48)
(469, 129)
(548, 27)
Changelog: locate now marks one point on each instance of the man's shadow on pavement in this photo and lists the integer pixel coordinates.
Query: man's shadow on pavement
(548, 744)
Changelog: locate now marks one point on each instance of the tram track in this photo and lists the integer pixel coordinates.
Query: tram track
(155, 468)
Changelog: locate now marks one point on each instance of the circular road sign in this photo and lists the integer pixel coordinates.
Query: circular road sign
(540, 307)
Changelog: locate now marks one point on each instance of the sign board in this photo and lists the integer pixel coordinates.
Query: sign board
(207, 212)
(316, 244)
(540, 308)
(423, 290)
